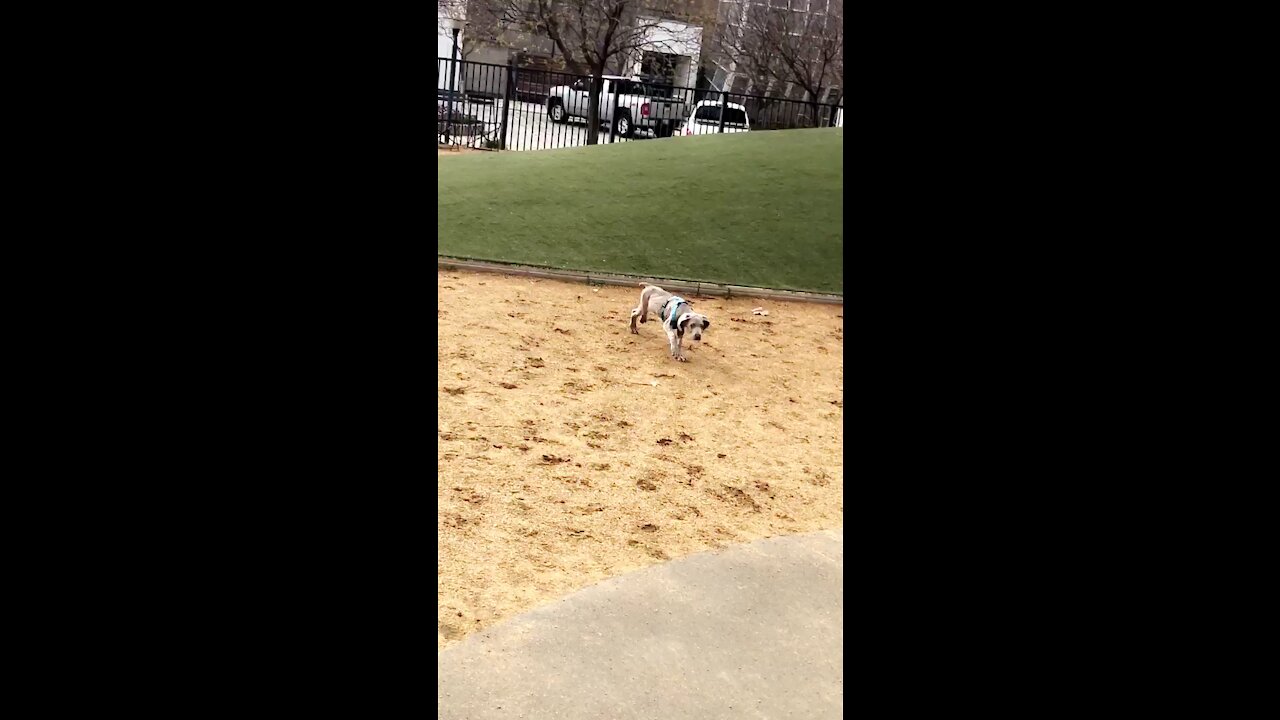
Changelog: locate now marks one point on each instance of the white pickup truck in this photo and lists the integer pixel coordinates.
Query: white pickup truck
(639, 105)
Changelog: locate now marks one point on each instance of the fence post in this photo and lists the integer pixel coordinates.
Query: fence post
(506, 100)
(617, 106)
(834, 110)
(453, 72)
(604, 98)
(724, 103)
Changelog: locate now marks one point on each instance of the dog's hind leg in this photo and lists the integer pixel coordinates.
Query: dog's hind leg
(637, 313)
(642, 310)
(644, 302)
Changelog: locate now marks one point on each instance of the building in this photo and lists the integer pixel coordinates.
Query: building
(732, 14)
(673, 55)
(674, 49)
(444, 47)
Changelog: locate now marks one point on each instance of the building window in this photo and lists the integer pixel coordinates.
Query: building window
(656, 65)
(717, 82)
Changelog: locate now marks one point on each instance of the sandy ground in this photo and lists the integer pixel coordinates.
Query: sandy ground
(560, 462)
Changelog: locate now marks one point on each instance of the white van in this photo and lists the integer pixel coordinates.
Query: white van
(705, 119)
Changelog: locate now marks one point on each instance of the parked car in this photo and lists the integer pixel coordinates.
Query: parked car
(705, 119)
(639, 108)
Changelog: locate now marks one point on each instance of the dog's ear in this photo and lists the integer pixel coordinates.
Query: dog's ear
(683, 321)
(705, 323)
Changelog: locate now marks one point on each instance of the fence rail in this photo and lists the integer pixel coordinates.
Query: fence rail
(509, 108)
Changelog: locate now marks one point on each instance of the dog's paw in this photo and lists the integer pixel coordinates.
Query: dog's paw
(635, 331)
(682, 358)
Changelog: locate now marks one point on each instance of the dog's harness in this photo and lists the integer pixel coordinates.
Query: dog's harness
(674, 302)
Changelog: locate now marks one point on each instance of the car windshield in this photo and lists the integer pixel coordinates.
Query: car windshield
(710, 115)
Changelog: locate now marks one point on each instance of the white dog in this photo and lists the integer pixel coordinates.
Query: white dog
(676, 314)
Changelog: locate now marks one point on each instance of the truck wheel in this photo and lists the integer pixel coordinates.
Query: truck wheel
(556, 110)
(622, 125)
(665, 130)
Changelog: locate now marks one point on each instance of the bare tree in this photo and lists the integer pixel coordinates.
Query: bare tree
(601, 34)
(800, 42)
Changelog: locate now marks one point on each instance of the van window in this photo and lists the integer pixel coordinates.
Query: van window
(659, 91)
(710, 115)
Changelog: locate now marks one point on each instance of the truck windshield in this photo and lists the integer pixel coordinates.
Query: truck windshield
(629, 87)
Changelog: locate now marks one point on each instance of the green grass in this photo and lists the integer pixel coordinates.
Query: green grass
(761, 208)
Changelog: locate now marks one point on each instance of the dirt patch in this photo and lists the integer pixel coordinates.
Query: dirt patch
(565, 466)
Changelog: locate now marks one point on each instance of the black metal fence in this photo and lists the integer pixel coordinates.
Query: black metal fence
(503, 107)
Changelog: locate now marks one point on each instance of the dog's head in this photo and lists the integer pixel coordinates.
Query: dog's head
(694, 324)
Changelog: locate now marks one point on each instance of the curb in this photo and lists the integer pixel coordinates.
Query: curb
(685, 286)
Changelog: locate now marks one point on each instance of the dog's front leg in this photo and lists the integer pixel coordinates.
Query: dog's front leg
(634, 314)
(673, 343)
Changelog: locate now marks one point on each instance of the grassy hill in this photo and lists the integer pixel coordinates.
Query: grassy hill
(761, 208)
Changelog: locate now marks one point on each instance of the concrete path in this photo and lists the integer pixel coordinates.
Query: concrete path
(753, 631)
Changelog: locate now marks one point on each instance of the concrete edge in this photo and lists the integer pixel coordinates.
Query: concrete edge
(684, 286)
(738, 548)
